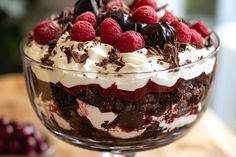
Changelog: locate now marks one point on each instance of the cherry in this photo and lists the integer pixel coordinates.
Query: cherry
(22, 139)
(14, 146)
(4, 121)
(2, 147)
(43, 146)
(121, 18)
(6, 131)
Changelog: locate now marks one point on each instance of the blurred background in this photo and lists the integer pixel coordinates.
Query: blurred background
(19, 16)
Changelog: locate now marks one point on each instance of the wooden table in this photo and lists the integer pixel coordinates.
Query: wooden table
(209, 138)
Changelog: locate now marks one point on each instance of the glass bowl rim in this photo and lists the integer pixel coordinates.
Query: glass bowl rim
(216, 49)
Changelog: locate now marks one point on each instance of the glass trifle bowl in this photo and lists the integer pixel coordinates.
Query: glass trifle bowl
(90, 94)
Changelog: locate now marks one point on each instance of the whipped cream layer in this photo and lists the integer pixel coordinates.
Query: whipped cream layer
(135, 62)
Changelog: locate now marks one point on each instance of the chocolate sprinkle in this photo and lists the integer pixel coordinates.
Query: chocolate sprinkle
(75, 56)
(169, 52)
(102, 64)
(51, 47)
(120, 64)
(112, 56)
(80, 46)
(46, 61)
(112, 59)
(65, 20)
(68, 54)
(83, 58)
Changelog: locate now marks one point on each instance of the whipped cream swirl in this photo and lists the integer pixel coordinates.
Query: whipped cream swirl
(136, 63)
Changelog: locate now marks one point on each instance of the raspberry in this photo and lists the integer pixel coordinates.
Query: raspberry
(46, 32)
(145, 14)
(196, 38)
(138, 3)
(201, 28)
(109, 31)
(82, 31)
(168, 17)
(183, 32)
(89, 17)
(130, 41)
(117, 5)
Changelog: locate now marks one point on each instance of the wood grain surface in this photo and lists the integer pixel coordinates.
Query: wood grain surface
(209, 138)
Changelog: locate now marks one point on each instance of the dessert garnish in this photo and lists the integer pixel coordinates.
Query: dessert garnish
(168, 17)
(120, 16)
(145, 14)
(89, 17)
(112, 22)
(46, 32)
(151, 3)
(83, 31)
(109, 31)
(130, 41)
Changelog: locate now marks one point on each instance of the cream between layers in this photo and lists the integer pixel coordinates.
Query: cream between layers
(135, 62)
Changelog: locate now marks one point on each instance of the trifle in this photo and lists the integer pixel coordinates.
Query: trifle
(116, 76)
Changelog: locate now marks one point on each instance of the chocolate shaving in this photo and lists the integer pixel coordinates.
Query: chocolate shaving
(172, 55)
(46, 61)
(68, 26)
(112, 56)
(75, 57)
(188, 61)
(80, 46)
(182, 47)
(65, 20)
(118, 69)
(102, 64)
(68, 54)
(120, 64)
(169, 53)
(67, 38)
(65, 16)
(153, 51)
(96, 42)
(83, 58)
(54, 52)
(62, 48)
